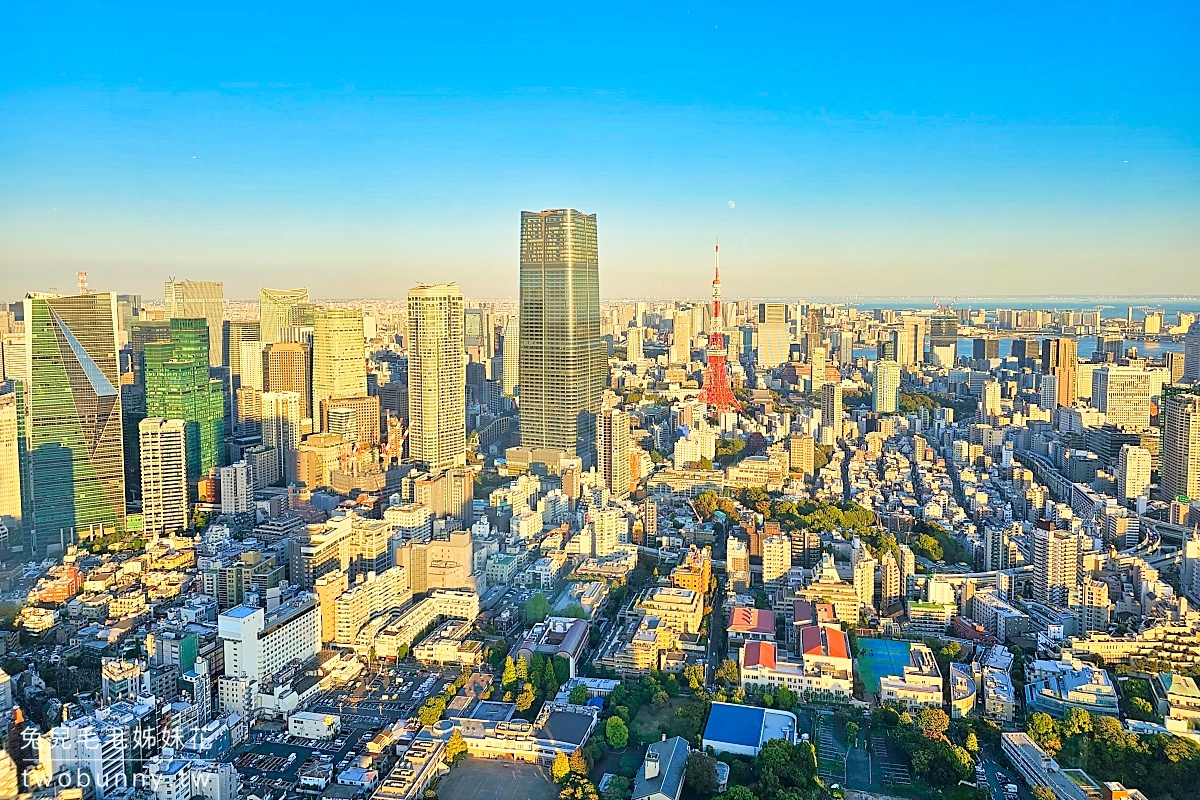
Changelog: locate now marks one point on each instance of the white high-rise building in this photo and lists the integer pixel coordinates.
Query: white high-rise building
(990, 400)
(889, 587)
(864, 580)
(886, 387)
(436, 377)
(258, 643)
(634, 342)
(831, 409)
(198, 300)
(251, 364)
(1191, 354)
(281, 430)
(1122, 394)
(777, 557)
(237, 488)
(1055, 564)
(737, 563)
(10, 464)
(817, 362)
(163, 445)
(510, 368)
(1133, 473)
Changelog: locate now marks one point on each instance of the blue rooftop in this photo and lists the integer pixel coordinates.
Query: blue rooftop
(241, 612)
(740, 725)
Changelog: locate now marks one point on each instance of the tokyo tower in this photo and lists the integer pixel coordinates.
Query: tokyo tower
(717, 391)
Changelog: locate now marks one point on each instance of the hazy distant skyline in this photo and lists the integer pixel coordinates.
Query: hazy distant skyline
(358, 151)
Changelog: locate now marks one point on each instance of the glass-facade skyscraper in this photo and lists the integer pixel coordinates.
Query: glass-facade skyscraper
(75, 449)
(562, 357)
(178, 386)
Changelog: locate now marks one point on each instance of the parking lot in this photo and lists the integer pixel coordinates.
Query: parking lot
(888, 769)
(831, 753)
(381, 698)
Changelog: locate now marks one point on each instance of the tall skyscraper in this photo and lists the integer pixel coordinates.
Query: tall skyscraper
(563, 359)
(77, 465)
(1123, 394)
(634, 341)
(437, 377)
(338, 356)
(831, 408)
(943, 339)
(774, 341)
(913, 333)
(510, 369)
(198, 300)
(163, 446)
(287, 367)
(889, 587)
(232, 337)
(816, 359)
(281, 431)
(479, 335)
(1055, 564)
(613, 446)
(1179, 474)
(276, 312)
(178, 387)
(989, 400)
(1059, 358)
(885, 398)
(681, 338)
(10, 463)
(1191, 354)
(985, 349)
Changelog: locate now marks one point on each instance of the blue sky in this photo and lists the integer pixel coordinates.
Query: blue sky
(886, 149)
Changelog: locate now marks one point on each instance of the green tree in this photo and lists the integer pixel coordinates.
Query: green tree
(1077, 721)
(972, 743)
(700, 775)
(693, 674)
(536, 609)
(1042, 793)
(616, 732)
(579, 695)
(785, 698)
(561, 767)
(522, 670)
(932, 723)
(706, 504)
(456, 747)
(728, 671)
(739, 793)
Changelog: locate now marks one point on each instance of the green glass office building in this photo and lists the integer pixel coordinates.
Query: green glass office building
(178, 386)
(75, 455)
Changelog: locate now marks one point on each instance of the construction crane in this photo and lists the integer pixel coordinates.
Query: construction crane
(944, 308)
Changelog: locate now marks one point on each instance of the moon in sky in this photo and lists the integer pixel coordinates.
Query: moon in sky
(732, 204)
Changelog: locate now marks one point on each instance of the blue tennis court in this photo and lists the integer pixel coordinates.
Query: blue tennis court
(880, 657)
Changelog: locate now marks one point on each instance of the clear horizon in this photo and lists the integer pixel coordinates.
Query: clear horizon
(882, 151)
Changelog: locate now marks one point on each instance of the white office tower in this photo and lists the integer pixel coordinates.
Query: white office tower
(1055, 564)
(259, 643)
(163, 444)
(281, 431)
(1133, 473)
(437, 377)
(889, 585)
(777, 557)
(633, 344)
(198, 300)
(1122, 394)
(886, 387)
(613, 450)
(908, 567)
(10, 462)
(817, 363)
(277, 312)
(1179, 473)
(510, 368)
(237, 488)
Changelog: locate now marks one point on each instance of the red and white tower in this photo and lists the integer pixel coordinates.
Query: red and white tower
(717, 391)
